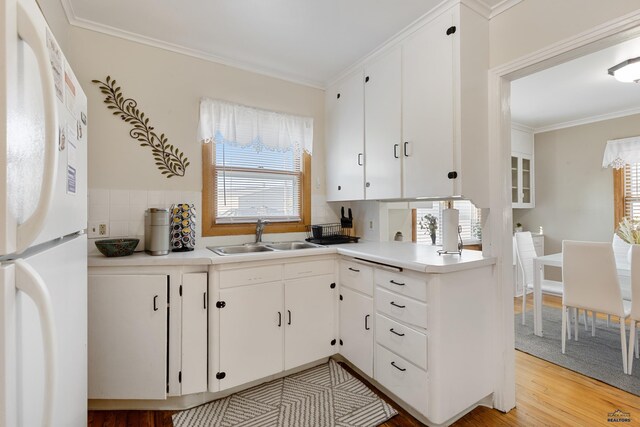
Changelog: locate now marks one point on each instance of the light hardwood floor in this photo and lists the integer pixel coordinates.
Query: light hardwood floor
(546, 395)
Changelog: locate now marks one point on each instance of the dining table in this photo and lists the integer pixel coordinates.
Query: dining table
(555, 260)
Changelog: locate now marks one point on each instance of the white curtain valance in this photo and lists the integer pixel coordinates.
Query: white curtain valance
(619, 152)
(245, 126)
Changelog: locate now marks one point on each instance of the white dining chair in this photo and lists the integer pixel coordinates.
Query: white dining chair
(590, 280)
(525, 253)
(634, 315)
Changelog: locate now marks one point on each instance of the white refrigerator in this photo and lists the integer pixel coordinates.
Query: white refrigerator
(43, 218)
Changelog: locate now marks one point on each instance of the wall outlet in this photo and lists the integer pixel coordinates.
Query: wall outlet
(98, 229)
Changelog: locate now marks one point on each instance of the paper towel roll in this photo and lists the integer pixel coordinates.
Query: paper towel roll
(450, 221)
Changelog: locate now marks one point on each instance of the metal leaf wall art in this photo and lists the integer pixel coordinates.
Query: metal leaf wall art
(169, 160)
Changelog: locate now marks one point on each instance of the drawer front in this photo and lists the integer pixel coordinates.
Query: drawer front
(405, 341)
(402, 284)
(356, 276)
(250, 276)
(401, 308)
(308, 268)
(401, 378)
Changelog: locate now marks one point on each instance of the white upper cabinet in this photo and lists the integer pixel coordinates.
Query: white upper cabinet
(345, 139)
(382, 126)
(427, 106)
(425, 113)
(522, 162)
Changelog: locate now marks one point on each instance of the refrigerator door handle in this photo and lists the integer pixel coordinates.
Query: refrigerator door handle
(28, 31)
(30, 282)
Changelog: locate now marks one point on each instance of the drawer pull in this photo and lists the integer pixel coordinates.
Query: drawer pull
(396, 283)
(155, 303)
(396, 305)
(353, 269)
(397, 333)
(279, 319)
(397, 367)
(366, 322)
(289, 312)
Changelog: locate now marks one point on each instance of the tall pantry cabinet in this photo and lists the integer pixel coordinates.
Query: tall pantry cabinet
(425, 113)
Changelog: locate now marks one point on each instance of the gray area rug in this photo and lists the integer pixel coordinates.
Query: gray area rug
(326, 395)
(597, 357)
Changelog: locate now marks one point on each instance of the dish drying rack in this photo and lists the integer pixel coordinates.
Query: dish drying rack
(330, 234)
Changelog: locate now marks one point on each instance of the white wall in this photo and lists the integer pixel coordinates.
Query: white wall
(168, 87)
(532, 25)
(574, 194)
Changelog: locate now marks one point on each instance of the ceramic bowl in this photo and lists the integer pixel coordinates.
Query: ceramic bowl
(117, 247)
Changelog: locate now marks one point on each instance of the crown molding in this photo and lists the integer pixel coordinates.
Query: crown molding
(195, 53)
(396, 39)
(478, 6)
(503, 6)
(587, 120)
(521, 127)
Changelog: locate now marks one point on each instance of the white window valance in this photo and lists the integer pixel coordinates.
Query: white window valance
(244, 126)
(619, 152)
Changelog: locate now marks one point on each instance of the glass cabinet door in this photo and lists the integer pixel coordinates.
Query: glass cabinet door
(526, 180)
(514, 179)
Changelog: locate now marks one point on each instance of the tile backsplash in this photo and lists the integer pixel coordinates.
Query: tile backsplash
(123, 210)
(123, 213)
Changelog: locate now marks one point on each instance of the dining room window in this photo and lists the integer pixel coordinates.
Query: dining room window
(627, 192)
(469, 221)
(256, 165)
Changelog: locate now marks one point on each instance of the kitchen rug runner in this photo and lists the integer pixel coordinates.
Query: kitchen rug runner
(324, 396)
(596, 357)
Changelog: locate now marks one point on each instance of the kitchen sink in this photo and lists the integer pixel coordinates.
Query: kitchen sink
(239, 249)
(289, 246)
(262, 247)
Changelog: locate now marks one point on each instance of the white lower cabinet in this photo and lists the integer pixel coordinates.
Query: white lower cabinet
(430, 335)
(147, 332)
(251, 338)
(265, 328)
(402, 378)
(405, 341)
(356, 329)
(309, 329)
(127, 337)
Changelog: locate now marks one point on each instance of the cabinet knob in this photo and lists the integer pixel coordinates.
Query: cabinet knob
(451, 30)
(368, 184)
(366, 79)
(338, 96)
(339, 187)
(452, 175)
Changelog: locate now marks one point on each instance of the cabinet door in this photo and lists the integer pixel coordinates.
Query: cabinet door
(356, 329)
(194, 333)
(427, 110)
(128, 336)
(345, 139)
(382, 119)
(251, 333)
(309, 318)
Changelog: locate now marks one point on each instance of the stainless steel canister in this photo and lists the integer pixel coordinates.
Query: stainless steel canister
(156, 231)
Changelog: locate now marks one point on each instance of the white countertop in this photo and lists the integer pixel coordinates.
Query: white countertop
(412, 256)
(196, 257)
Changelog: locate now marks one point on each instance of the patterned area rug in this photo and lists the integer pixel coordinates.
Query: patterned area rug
(324, 396)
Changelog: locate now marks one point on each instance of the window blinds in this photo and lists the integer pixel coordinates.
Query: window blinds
(258, 161)
(469, 222)
(632, 191)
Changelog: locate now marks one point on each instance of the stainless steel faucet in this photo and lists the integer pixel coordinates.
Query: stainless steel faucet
(260, 224)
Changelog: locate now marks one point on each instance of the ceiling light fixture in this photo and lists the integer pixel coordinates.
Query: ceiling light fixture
(627, 71)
